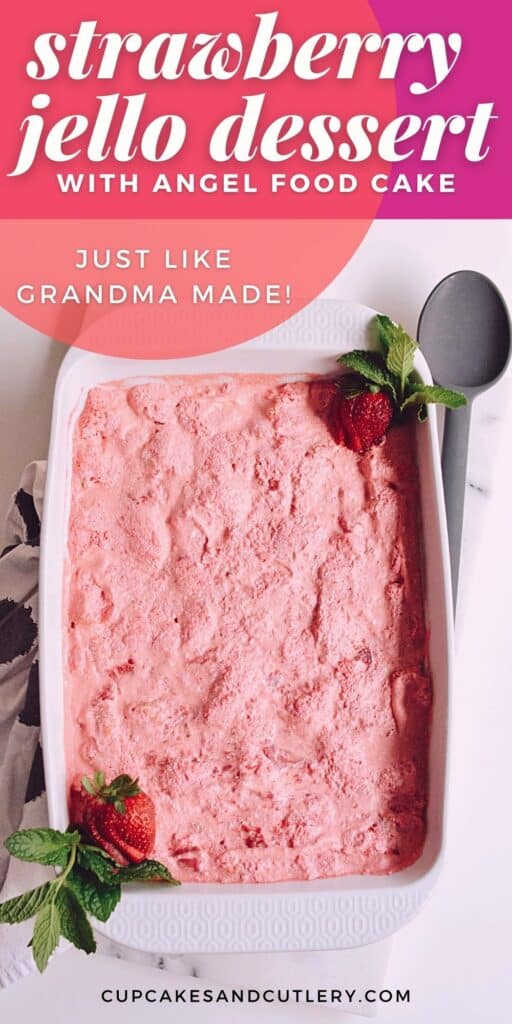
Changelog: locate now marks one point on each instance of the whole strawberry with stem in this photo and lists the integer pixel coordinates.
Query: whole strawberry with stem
(383, 385)
(118, 816)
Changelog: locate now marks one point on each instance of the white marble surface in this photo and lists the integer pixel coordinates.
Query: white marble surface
(454, 956)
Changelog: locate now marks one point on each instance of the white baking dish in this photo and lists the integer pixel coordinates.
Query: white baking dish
(330, 914)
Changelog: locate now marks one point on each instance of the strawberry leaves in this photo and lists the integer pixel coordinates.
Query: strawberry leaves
(392, 370)
(89, 883)
(122, 787)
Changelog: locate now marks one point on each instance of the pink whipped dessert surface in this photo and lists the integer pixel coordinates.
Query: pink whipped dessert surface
(245, 629)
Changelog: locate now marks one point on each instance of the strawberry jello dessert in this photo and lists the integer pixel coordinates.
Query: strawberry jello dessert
(244, 625)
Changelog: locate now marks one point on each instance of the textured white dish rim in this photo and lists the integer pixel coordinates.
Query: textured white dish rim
(334, 913)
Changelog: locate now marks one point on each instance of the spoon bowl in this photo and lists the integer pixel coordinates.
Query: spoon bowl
(464, 332)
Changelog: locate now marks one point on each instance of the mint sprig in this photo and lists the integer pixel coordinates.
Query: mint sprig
(96, 897)
(21, 908)
(146, 871)
(400, 357)
(88, 884)
(371, 366)
(42, 845)
(47, 931)
(385, 329)
(392, 369)
(95, 860)
(432, 393)
(73, 920)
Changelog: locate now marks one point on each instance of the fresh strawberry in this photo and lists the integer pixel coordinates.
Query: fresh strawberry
(363, 419)
(382, 380)
(118, 816)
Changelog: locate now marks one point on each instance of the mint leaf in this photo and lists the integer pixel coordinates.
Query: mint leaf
(42, 845)
(98, 862)
(433, 393)
(98, 898)
(73, 920)
(400, 356)
(46, 934)
(369, 365)
(146, 871)
(385, 332)
(20, 908)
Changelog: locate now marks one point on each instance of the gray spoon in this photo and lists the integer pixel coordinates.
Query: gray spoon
(464, 333)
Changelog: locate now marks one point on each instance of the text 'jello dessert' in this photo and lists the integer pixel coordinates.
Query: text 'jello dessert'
(245, 629)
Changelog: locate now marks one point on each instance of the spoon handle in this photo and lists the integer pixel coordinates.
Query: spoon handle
(454, 465)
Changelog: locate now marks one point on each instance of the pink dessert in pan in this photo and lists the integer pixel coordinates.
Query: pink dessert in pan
(245, 629)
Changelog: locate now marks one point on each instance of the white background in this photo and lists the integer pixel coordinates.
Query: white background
(455, 956)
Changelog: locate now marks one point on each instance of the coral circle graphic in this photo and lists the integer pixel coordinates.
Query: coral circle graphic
(116, 202)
